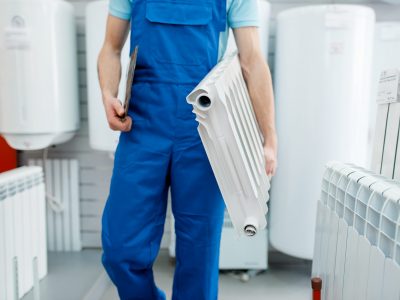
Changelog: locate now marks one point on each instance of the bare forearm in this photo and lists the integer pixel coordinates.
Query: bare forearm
(258, 79)
(109, 70)
(259, 83)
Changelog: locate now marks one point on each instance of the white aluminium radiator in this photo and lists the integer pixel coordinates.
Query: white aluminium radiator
(232, 140)
(357, 242)
(63, 217)
(23, 253)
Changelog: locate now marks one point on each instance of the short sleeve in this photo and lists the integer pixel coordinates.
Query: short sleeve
(120, 9)
(243, 13)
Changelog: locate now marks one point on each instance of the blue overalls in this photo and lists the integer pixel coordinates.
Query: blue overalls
(178, 46)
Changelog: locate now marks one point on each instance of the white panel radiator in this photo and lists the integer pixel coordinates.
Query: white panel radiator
(232, 140)
(357, 243)
(62, 190)
(23, 254)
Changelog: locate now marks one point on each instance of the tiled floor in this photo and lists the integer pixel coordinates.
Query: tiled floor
(70, 275)
(285, 279)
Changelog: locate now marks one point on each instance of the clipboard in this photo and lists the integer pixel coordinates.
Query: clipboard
(129, 80)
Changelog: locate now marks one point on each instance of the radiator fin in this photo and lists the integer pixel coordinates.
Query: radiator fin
(22, 230)
(62, 183)
(357, 239)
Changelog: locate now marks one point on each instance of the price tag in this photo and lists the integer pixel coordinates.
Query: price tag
(388, 90)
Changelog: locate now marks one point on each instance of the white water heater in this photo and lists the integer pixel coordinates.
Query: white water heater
(322, 87)
(101, 137)
(39, 73)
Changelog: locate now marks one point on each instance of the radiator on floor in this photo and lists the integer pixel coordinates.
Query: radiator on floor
(357, 243)
(232, 140)
(63, 216)
(23, 254)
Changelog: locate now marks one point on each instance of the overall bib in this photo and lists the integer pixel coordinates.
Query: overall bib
(178, 46)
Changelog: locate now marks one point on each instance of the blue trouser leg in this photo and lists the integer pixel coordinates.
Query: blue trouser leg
(163, 150)
(133, 219)
(198, 209)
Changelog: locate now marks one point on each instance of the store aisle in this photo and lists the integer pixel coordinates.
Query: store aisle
(286, 279)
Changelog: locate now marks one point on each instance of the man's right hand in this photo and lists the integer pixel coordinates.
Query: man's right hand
(115, 114)
(109, 71)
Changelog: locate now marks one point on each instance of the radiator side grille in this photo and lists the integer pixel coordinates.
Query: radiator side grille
(62, 183)
(357, 252)
(22, 230)
(232, 140)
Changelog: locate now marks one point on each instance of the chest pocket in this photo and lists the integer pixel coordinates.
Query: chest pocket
(179, 32)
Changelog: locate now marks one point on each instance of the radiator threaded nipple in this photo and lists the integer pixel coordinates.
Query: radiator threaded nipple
(250, 230)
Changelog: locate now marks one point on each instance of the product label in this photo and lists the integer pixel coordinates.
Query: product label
(388, 90)
(336, 48)
(16, 35)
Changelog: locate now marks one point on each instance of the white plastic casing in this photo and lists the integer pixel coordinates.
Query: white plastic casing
(322, 88)
(39, 75)
(101, 137)
(232, 140)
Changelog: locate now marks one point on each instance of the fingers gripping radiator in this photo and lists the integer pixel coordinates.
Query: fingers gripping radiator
(232, 140)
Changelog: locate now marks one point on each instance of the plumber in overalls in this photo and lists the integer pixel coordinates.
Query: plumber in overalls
(159, 147)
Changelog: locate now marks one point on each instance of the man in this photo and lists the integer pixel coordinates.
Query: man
(159, 146)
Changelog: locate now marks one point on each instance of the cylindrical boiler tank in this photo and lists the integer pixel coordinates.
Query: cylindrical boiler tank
(322, 86)
(39, 103)
(101, 137)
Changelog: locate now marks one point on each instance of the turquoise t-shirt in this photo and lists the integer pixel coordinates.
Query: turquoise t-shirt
(240, 13)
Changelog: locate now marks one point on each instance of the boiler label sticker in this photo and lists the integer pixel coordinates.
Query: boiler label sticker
(16, 35)
(16, 38)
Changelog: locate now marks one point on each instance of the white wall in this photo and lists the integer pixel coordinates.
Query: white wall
(96, 167)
